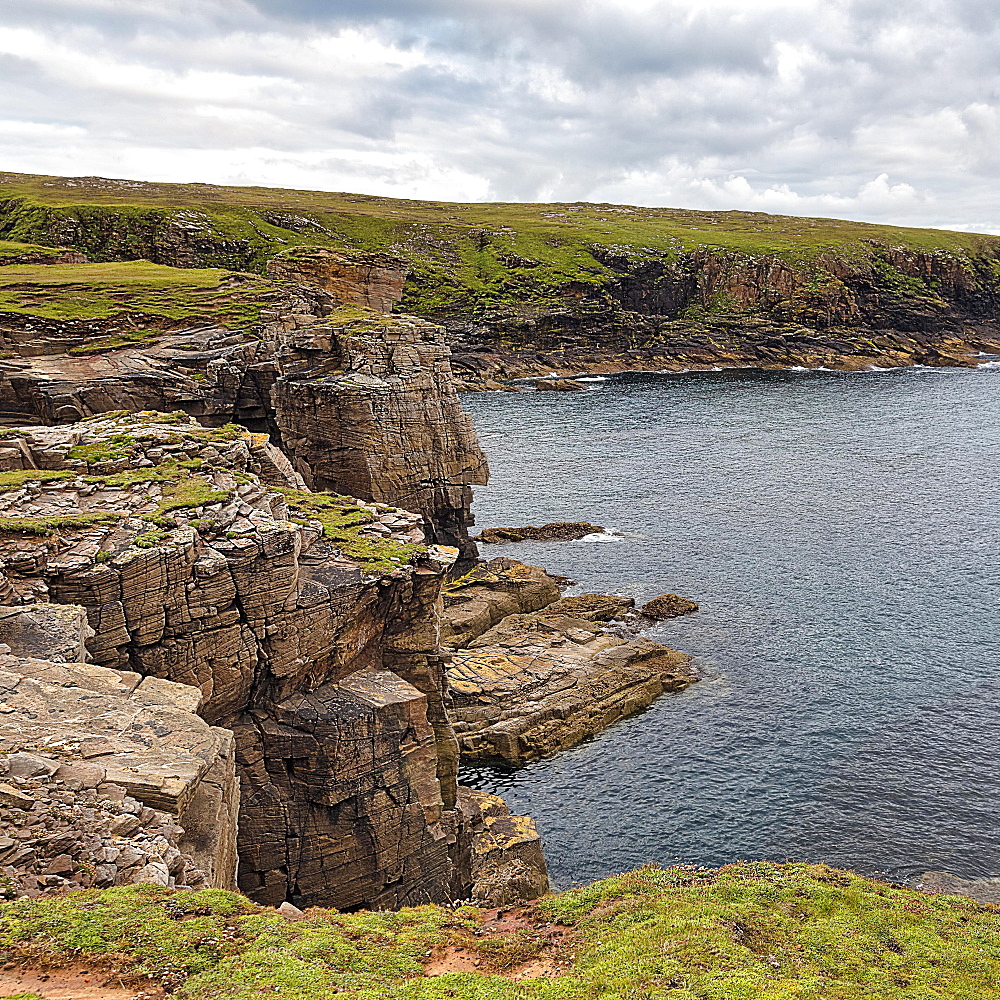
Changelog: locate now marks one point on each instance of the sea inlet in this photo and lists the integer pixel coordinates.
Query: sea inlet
(841, 532)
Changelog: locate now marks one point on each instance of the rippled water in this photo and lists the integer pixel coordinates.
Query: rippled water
(840, 533)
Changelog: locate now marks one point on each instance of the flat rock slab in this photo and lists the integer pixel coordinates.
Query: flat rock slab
(537, 683)
(490, 592)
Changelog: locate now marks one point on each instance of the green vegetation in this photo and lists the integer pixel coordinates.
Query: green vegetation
(743, 932)
(158, 294)
(99, 345)
(51, 524)
(28, 253)
(10, 481)
(463, 258)
(342, 521)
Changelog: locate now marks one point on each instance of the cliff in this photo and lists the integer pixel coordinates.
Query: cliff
(304, 623)
(529, 289)
(363, 403)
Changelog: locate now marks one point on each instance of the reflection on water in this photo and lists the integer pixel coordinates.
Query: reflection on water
(840, 533)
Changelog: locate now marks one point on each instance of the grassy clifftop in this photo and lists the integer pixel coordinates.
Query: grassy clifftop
(743, 932)
(464, 257)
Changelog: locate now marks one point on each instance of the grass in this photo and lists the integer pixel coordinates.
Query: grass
(743, 932)
(342, 520)
(124, 290)
(481, 258)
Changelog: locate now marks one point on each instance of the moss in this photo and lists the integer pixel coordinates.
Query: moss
(342, 520)
(150, 539)
(49, 525)
(742, 932)
(100, 344)
(16, 479)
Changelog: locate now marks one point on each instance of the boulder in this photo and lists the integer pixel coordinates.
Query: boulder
(668, 606)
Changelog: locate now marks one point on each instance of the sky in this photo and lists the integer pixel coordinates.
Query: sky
(875, 110)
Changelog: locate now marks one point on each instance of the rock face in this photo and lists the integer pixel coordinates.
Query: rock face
(368, 408)
(490, 592)
(363, 403)
(306, 622)
(883, 306)
(557, 531)
(537, 683)
(111, 778)
(507, 861)
(363, 279)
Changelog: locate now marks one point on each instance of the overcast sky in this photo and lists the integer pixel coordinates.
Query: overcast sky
(870, 109)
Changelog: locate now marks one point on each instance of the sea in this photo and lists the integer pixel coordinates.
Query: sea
(841, 534)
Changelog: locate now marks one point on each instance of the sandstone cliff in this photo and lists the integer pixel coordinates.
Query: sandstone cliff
(306, 622)
(362, 403)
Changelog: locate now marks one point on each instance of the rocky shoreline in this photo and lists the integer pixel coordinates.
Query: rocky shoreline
(245, 634)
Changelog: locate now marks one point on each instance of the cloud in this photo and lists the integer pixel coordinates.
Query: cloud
(853, 108)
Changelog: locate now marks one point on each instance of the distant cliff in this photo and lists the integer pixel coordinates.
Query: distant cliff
(524, 289)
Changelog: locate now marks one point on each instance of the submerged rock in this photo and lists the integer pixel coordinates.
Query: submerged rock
(668, 606)
(558, 385)
(556, 531)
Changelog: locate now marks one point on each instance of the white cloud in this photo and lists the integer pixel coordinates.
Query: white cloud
(854, 108)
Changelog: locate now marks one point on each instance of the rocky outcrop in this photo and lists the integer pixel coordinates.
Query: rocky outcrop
(557, 531)
(305, 623)
(595, 607)
(366, 406)
(507, 861)
(374, 281)
(363, 404)
(668, 606)
(488, 593)
(867, 306)
(111, 778)
(537, 683)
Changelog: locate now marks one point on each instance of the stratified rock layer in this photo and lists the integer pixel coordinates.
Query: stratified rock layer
(307, 622)
(490, 592)
(537, 683)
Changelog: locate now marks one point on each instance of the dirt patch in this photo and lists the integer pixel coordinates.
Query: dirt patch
(77, 982)
(516, 944)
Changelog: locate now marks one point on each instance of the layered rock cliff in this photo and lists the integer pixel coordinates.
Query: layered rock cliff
(363, 403)
(305, 624)
(533, 289)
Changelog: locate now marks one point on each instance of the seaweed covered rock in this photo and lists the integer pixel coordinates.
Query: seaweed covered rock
(557, 531)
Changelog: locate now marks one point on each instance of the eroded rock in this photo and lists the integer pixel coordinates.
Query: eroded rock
(557, 531)
(537, 683)
(489, 592)
(668, 606)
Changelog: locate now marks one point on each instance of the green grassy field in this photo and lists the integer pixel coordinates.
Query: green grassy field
(103, 290)
(743, 932)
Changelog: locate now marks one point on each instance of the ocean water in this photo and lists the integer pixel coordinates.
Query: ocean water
(841, 533)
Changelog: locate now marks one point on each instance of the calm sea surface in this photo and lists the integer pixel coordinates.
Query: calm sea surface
(840, 532)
